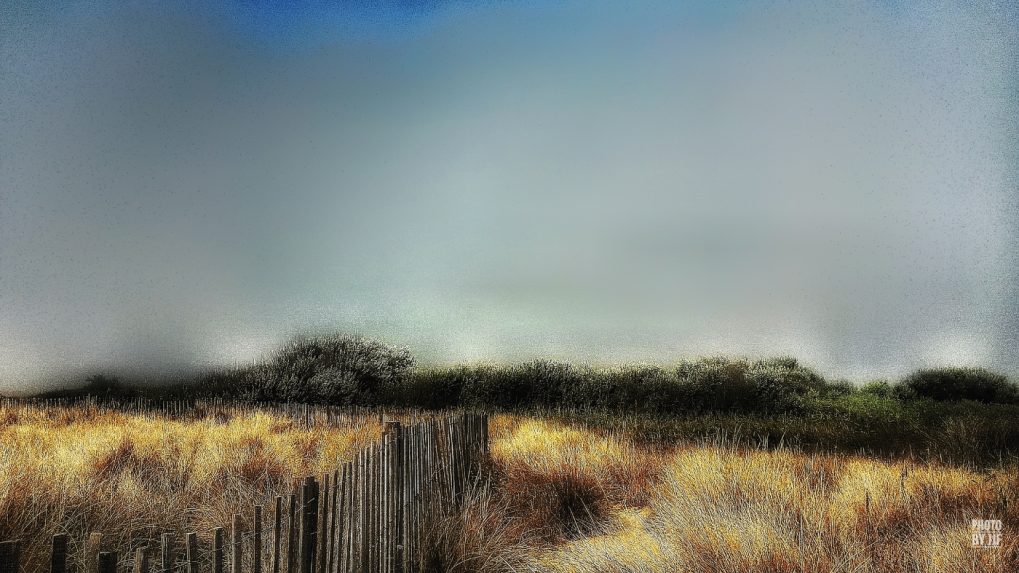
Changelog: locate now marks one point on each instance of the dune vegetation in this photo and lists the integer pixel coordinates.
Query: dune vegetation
(563, 496)
(963, 415)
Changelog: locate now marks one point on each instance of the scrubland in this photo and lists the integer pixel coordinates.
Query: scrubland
(562, 496)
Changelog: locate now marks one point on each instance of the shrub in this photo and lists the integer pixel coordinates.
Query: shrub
(542, 383)
(715, 384)
(879, 388)
(333, 369)
(645, 388)
(494, 387)
(722, 384)
(840, 388)
(780, 385)
(437, 387)
(960, 384)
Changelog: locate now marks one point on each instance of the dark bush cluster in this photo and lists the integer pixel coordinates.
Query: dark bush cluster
(342, 370)
(353, 370)
(961, 413)
(975, 384)
(715, 384)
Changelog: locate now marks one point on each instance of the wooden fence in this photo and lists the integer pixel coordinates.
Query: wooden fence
(371, 514)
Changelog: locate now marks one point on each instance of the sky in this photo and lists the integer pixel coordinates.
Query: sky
(187, 184)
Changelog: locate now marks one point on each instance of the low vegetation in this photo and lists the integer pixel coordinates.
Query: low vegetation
(564, 495)
(958, 414)
(717, 464)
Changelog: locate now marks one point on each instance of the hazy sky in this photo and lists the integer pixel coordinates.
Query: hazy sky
(188, 183)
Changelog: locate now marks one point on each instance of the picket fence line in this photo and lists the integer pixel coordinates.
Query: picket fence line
(371, 514)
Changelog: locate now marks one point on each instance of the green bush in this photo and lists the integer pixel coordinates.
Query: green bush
(879, 388)
(543, 383)
(333, 369)
(943, 384)
(715, 384)
(435, 388)
(839, 388)
(727, 385)
(643, 388)
(780, 385)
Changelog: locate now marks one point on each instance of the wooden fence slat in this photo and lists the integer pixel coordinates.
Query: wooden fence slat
(309, 519)
(379, 507)
(236, 548)
(90, 553)
(166, 544)
(218, 554)
(141, 560)
(107, 562)
(10, 557)
(362, 518)
(404, 510)
(348, 520)
(373, 505)
(256, 541)
(393, 529)
(322, 524)
(292, 535)
(340, 539)
(58, 554)
(192, 553)
(330, 536)
(376, 506)
(384, 506)
(277, 530)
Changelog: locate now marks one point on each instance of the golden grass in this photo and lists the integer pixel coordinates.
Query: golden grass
(129, 476)
(726, 509)
(564, 498)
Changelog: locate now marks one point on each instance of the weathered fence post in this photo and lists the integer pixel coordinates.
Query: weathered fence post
(141, 559)
(167, 551)
(309, 520)
(362, 519)
(347, 535)
(322, 525)
(218, 556)
(91, 551)
(257, 541)
(373, 505)
(10, 557)
(404, 510)
(343, 519)
(330, 536)
(107, 562)
(236, 549)
(292, 535)
(277, 529)
(383, 507)
(393, 470)
(58, 554)
(192, 552)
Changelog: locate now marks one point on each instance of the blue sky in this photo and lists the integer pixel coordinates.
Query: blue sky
(188, 184)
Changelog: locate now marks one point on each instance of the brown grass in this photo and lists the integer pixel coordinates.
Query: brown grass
(76, 471)
(562, 498)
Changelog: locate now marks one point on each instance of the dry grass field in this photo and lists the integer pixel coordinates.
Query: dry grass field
(562, 498)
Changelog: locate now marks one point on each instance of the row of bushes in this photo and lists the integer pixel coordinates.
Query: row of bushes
(778, 385)
(717, 384)
(351, 370)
